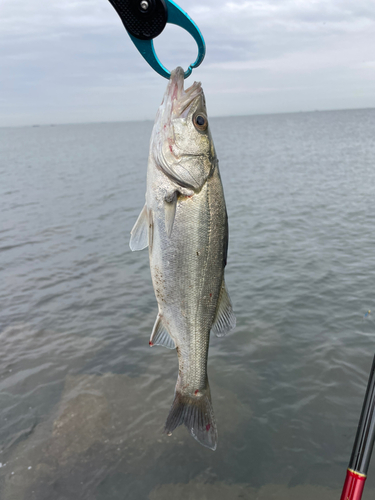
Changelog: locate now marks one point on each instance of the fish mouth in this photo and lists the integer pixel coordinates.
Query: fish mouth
(178, 98)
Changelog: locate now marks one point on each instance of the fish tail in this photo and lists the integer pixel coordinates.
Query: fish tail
(197, 414)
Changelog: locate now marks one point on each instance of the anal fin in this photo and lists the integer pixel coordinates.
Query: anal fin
(225, 319)
(160, 335)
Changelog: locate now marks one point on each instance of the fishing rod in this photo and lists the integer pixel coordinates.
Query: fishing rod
(363, 445)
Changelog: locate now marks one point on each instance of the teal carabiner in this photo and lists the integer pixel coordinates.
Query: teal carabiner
(144, 20)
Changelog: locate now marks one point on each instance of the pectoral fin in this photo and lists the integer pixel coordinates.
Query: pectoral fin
(160, 335)
(139, 238)
(225, 319)
(170, 213)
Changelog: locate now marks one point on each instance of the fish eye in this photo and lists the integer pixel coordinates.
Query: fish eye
(200, 122)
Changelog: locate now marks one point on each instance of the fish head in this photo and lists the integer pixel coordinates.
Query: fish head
(181, 143)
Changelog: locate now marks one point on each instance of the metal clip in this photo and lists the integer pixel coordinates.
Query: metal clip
(144, 20)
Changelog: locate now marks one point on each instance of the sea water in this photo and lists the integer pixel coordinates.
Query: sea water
(83, 398)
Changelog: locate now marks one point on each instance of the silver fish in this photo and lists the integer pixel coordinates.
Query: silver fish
(184, 223)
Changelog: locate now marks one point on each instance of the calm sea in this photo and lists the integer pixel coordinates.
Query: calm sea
(83, 399)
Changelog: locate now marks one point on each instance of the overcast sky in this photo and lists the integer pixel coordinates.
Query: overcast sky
(71, 61)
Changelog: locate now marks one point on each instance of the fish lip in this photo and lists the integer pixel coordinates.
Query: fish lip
(179, 98)
(176, 83)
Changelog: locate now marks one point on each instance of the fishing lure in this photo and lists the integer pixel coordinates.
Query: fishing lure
(144, 20)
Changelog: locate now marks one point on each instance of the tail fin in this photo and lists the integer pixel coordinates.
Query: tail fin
(197, 414)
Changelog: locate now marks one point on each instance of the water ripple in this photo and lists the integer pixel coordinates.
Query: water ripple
(78, 308)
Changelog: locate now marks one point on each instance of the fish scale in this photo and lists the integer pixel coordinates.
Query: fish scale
(184, 224)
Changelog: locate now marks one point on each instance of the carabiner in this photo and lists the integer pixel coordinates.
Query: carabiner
(144, 20)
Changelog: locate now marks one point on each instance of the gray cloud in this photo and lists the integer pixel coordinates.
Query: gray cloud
(73, 61)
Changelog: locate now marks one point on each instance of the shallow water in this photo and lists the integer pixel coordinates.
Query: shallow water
(84, 398)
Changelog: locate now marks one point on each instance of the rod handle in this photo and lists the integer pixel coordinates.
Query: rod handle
(353, 486)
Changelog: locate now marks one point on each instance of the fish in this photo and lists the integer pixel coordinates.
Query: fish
(184, 223)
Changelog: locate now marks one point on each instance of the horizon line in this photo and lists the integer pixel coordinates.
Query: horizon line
(56, 124)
